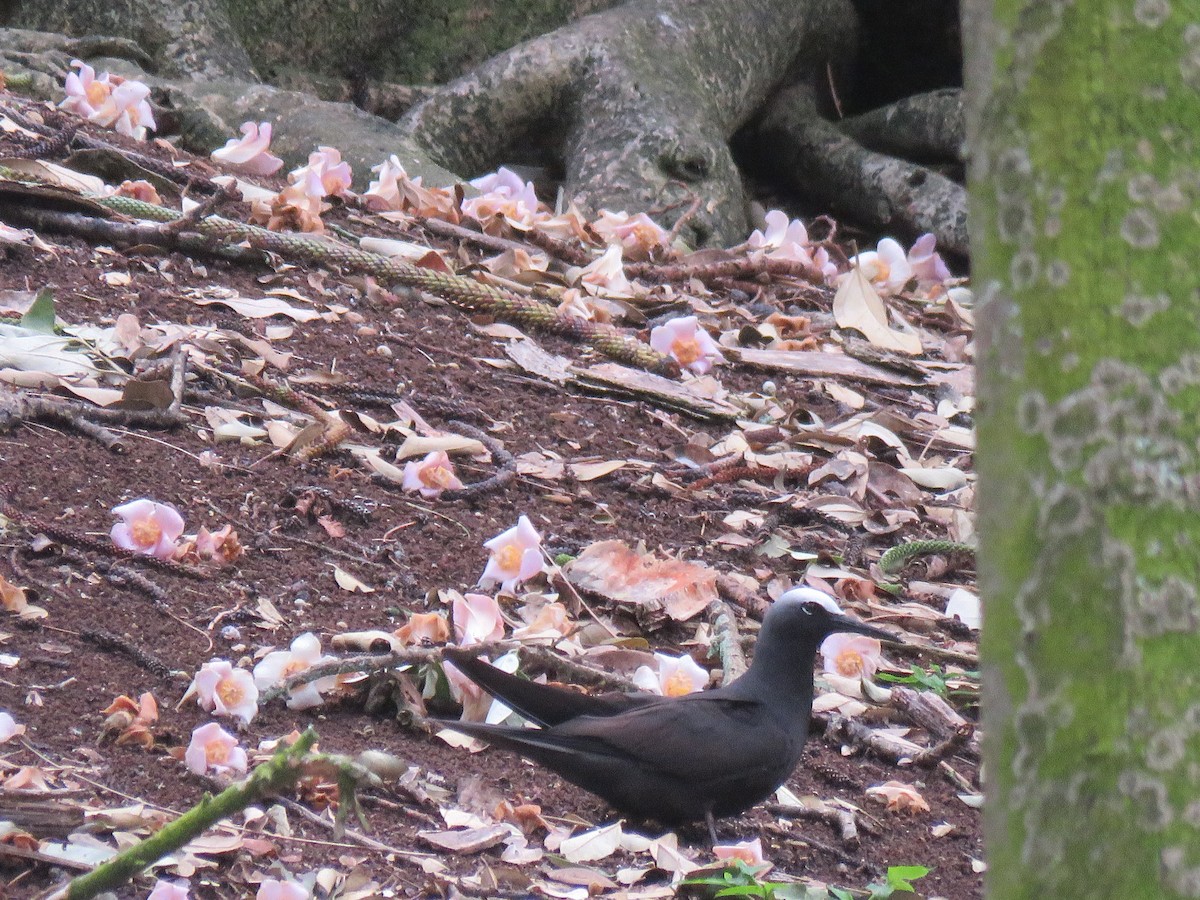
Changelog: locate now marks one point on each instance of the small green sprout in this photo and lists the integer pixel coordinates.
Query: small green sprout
(935, 679)
(898, 879)
(740, 879)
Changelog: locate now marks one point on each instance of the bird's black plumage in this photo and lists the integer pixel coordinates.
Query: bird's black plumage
(675, 760)
(542, 704)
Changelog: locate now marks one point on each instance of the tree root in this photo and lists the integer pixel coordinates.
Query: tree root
(639, 102)
(822, 161)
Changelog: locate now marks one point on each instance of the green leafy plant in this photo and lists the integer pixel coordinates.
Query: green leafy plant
(740, 879)
(899, 879)
(935, 679)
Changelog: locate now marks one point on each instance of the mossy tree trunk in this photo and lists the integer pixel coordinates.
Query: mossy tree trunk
(1084, 189)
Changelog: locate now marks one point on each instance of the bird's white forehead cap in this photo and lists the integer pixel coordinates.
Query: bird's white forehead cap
(810, 595)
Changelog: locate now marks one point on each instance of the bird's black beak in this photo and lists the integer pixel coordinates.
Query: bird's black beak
(845, 623)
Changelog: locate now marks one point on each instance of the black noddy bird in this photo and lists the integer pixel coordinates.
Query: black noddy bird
(680, 759)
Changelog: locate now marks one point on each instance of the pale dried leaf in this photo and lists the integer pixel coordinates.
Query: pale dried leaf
(253, 307)
(348, 582)
(939, 478)
(415, 445)
(857, 305)
(593, 470)
(468, 840)
(589, 846)
(965, 606)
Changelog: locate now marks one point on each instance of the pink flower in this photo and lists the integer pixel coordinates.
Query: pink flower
(887, 266)
(224, 690)
(85, 92)
(149, 528)
(249, 153)
(299, 205)
(851, 655)
(335, 175)
(638, 235)
(551, 621)
(279, 665)
(109, 100)
(274, 889)
(384, 193)
(503, 193)
(781, 235)
(788, 240)
(9, 728)
(749, 852)
(474, 700)
(687, 343)
(516, 556)
(221, 546)
(432, 475)
(927, 264)
(477, 704)
(605, 276)
(169, 890)
(213, 749)
(477, 619)
(824, 265)
(676, 676)
(423, 628)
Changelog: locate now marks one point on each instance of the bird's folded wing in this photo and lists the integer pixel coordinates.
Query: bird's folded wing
(692, 738)
(542, 704)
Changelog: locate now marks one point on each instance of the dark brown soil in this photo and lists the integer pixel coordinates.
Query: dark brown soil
(408, 549)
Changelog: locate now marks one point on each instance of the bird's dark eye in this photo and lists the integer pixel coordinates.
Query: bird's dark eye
(810, 608)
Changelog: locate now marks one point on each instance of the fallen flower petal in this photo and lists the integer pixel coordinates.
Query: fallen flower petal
(424, 628)
(927, 264)
(335, 174)
(279, 665)
(779, 233)
(503, 193)
(27, 778)
(898, 796)
(221, 546)
(126, 110)
(516, 556)
(432, 475)
(605, 276)
(638, 235)
(169, 890)
(213, 749)
(384, 192)
(148, 528)
(224, 690)
(477, 619)
(687, 343)
(477, 704)
(139, 190)
(749, 852)
(9, 728)
(851, 655)
(297, 207)
(886, 267)
(249, 152)
(274, 889)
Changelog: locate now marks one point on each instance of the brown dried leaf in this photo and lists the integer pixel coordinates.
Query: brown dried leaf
(617, 571)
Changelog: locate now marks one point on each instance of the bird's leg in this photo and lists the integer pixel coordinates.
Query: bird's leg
(712, 826)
